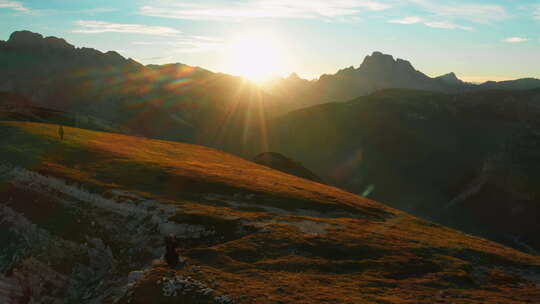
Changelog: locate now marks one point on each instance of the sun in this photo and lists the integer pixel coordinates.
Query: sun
(256, 56)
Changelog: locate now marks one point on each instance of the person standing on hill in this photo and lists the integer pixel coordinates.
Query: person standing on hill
(61, 132)
(171, 256)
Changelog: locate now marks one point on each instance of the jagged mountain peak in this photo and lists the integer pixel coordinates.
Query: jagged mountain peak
(450, 78)
(450, 75)
(31, 39)
(379, 62)
(378, 58)
(377, 54)
(45, 55)
(24, 37)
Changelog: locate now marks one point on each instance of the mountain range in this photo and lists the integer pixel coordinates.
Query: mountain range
(379, 71)
(175, 101)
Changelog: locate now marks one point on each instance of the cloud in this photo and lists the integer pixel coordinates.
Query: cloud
(537, 13)
(434, 24)
(448, 25)
(187, 44)
(94, 27)
(89, 11)
(451, 15)
(14, 5)
(516, 39)
(19, 7)
(478, 13)
(175, 40)
(472, 12)
(407, 20)
(285, 9)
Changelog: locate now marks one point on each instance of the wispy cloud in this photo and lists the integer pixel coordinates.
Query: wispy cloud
(174, 39)
(478, 13)
(187, 44)
(19, 7)
(516, 39)
(407, 20)
(94, 27)
(451, 10)
(14, 5)
(89, 11)
(239, 10)
(434, 24)
(537, 13)
(451, 15)
(448, 25)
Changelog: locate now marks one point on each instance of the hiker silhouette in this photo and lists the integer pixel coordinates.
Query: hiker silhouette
(171, 256)
(61, 132)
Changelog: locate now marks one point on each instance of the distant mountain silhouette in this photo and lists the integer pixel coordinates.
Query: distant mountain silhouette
(519, 84)
(378, 71)
(190, 103)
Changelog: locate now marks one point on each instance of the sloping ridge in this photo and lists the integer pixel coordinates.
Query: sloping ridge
(86, 216)
(282, 163)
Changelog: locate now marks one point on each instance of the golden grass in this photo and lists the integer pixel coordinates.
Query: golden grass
(133, 162)
(377, 255)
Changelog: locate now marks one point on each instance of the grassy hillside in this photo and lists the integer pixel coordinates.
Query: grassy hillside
(90, 214)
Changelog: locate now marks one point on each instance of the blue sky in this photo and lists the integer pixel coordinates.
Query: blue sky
(478, 40)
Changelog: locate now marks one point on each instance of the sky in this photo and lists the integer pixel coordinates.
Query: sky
(478, 40)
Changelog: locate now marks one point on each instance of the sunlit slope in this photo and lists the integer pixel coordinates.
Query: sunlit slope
(161, 168)
(103, 203)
